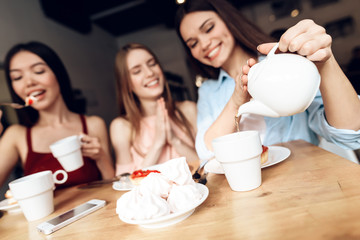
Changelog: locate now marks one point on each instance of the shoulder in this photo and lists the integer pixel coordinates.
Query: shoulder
(120, 125)
(14, 132)
(96, 126)
(120, 131)
(208, 84)
(187, 107)
(94, 120)
(16, 129)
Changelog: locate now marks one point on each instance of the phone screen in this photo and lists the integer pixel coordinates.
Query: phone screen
(69, 214)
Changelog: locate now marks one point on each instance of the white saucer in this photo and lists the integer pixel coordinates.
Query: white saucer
(172, 218)
(122, 185)
(277, 154)
(11, 208)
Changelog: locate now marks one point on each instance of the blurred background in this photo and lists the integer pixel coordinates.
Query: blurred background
(87, 34)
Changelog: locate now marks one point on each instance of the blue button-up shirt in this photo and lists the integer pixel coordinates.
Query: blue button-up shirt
(214, 95)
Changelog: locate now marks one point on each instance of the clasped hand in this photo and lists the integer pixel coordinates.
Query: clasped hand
(164, 133)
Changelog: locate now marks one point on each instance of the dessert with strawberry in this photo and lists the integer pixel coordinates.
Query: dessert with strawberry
(137, 176)
(264, 154)
(10, 198)
(30, 100)
(161, 193)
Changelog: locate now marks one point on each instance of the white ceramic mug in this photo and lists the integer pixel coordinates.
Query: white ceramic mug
(68, 152)
(35, 193)
(240, 156)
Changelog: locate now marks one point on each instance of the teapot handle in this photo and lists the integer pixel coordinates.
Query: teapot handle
(272, 51)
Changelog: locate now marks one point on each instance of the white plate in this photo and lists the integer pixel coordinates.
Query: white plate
(172, 218)
(5, 206)
(276, 154)
(123, 185)
(127, 185)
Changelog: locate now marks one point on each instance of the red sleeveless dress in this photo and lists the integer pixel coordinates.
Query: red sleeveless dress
(37, 162)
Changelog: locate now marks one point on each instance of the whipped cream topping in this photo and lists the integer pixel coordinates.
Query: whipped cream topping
(182, 197)
(177, 170)
(140, 206)
(157, 183)
(160, 194)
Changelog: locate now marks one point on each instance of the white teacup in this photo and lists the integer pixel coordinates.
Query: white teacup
(240, 156)
(68, 152)
(35, 193)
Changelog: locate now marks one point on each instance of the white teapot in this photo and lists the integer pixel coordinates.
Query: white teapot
(281, 85)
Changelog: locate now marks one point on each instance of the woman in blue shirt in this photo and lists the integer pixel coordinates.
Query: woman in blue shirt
(220, 41)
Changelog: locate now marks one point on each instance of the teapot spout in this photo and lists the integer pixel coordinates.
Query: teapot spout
(256, 107)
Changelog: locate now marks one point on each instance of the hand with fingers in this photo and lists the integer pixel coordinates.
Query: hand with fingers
(241, 94)
(91, 147)
(306, 38)
(245, 70)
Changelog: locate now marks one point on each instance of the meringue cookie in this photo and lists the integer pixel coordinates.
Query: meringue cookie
(156, 183)
(183, 197)
(178, 171)
(140, 206)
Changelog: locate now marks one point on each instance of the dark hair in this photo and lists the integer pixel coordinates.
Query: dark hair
(246, 34)
(29, 116)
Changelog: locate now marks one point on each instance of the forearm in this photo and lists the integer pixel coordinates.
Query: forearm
(106, 167)
(223, 125)
(9, 154)
(341, 103)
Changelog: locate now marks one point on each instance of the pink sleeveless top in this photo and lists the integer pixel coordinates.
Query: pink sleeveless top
(37, 162)
(144, 141)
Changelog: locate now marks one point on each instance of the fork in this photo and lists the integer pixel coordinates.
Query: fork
(203, 179)
(98, 183)
(197, 175)
(13, 105)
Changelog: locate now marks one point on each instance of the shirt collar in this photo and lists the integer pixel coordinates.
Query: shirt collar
(222, 76)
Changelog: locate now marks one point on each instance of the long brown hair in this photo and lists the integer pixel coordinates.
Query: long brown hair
(246, 34)
(129, 103)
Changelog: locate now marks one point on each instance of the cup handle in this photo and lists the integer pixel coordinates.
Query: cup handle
(65, 176)
(80, 137)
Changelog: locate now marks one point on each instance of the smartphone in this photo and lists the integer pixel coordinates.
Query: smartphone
(70, 216)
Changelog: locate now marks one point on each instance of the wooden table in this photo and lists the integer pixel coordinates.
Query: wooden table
(314, 194)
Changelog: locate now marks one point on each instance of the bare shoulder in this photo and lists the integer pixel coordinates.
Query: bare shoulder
(187, 107)
(14, 134)
(120, 127)
(15, 130)
(96, 126)
(120, 123)
(95, 121)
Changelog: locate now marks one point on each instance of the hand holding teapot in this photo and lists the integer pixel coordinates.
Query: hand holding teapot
(282, 84)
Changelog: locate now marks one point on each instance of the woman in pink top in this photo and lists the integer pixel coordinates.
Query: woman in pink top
(151, 128)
